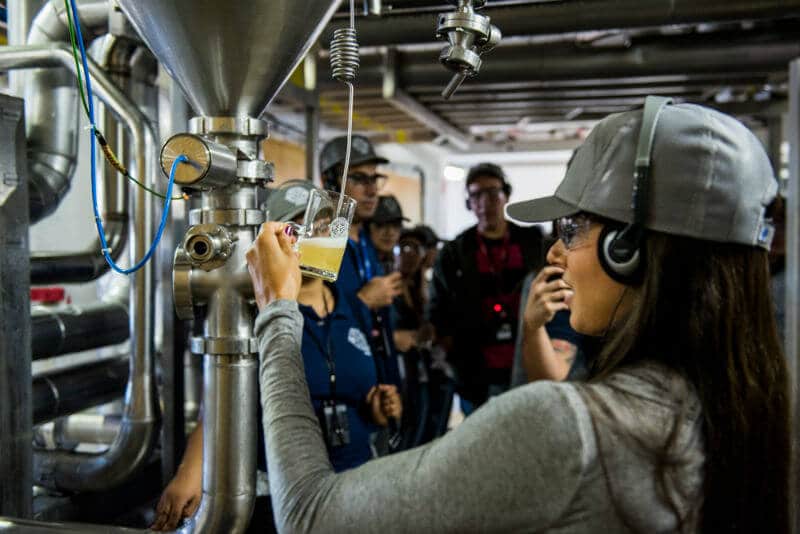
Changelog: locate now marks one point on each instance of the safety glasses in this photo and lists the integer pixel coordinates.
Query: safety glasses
(572, 231)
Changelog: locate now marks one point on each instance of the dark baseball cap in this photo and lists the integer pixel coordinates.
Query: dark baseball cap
(288, 200)
(335, 150)
(415, 233)
(710, 177)
(388, 211)
(431, 239)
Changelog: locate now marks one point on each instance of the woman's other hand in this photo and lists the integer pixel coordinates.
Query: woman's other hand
(545, 298)
(273, 265)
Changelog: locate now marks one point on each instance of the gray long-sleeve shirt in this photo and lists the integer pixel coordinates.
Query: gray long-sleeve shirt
(532, 460)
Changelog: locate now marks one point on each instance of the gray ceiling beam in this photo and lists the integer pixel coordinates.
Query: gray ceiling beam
(716, 78)
(528, 96)
(446, 107)
(570, 16)
(404, 102)
(678, 56)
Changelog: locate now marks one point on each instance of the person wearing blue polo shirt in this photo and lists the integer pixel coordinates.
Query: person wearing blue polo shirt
(340, 370)
(361, 278)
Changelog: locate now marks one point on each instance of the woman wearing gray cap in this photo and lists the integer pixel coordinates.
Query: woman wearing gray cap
(684, 423)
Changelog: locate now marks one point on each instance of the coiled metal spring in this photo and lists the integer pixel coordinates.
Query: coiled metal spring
(344, 55)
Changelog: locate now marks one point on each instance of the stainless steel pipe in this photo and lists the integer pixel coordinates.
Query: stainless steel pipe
(52, 107)
(139, 429)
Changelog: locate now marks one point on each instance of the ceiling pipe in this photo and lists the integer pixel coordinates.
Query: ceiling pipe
(575, 15)
(684, 56)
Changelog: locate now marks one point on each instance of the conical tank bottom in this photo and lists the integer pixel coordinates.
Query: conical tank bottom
(232, 57)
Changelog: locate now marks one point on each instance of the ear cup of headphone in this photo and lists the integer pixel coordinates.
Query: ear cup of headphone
(621, 263)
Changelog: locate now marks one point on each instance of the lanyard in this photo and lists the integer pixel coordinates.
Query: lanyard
(362, 259)
(496, 269)
(484, 251)
(326, 350)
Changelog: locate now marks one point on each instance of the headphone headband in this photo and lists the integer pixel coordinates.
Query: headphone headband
(619, 251)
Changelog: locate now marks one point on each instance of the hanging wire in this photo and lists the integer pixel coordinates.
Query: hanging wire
(107, 152)
(98, 219)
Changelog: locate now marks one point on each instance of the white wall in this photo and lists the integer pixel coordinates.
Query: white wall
(430, 159)
(531, 174)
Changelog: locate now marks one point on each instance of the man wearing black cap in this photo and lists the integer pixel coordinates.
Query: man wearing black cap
(475, 293)
(361, 276)
(361, 273)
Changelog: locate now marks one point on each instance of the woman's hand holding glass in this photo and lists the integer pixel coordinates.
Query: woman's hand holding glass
(274, 266)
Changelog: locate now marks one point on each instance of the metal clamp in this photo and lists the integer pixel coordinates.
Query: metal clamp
(223, 345)
(255, 170)
(182, 285)
(245, 126)
(240, 217)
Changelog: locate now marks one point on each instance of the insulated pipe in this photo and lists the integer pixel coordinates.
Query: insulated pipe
(77, 389)
(89, 264)
(701, 55)
(20, 15)
(139, 428)
(63, 331)
(68, 432)
(52, 108)
(577, 15)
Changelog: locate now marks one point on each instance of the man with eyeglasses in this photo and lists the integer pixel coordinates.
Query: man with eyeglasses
(476, 287)
(361, 275)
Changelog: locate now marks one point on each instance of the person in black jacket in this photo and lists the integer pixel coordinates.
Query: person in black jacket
(476, 288)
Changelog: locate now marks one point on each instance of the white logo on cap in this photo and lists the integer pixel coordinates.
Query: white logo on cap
(361, 145)
(297, 195)
(357, 338)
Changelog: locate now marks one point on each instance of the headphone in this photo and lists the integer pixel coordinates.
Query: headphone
(619, 249)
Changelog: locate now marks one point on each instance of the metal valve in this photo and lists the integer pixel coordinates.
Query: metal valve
(208, 246)
(470, 35)
(210, 164)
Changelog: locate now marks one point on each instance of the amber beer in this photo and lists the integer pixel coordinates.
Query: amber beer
(321, 256)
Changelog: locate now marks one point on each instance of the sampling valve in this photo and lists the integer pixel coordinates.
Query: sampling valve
(469, 35)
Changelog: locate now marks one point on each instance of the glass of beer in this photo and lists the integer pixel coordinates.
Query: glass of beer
(322, 238)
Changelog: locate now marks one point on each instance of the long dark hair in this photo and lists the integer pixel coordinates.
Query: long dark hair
(704, 310)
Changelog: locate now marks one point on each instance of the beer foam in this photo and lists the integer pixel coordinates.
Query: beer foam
(324, 242)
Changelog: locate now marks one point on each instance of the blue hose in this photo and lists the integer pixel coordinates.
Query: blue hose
(98, 220)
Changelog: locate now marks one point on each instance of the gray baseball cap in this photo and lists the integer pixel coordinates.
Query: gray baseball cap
(710, 177)
(288, 200)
